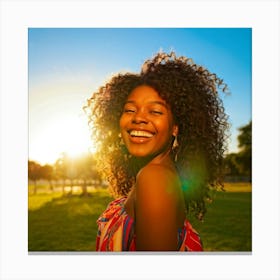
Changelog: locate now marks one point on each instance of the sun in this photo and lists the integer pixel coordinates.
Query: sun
(67, 134)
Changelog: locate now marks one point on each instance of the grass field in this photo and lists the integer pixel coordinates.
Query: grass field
(68, 223)
(228, 222)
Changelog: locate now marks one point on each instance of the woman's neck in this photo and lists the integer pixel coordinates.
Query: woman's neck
(162, 159)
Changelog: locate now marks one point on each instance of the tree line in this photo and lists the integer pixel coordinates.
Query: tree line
(239, 164)
(66, 171)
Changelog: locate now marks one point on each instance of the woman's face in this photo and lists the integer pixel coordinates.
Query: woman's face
(146, 123)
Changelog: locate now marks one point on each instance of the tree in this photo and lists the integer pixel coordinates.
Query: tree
(47, 173)
(66, 169)
(245, 145)
(60, 168)
(34, 173)
(86, 166)
(231, 165)
(71, 171)
(240, 164)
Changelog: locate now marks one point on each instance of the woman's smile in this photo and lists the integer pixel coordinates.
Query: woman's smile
(141, 133)
(140, 136)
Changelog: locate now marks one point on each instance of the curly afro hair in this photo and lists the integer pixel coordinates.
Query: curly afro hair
(192, 94)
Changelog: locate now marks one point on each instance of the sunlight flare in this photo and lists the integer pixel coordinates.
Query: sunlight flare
(69, 134)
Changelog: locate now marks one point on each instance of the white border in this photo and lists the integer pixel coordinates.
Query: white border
(17, 16)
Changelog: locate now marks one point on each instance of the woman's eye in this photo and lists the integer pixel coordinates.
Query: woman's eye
(155, 112)
(129, 110)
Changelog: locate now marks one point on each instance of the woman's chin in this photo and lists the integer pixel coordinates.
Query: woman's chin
(140, 155)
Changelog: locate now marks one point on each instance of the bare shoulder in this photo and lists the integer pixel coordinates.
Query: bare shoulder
(159, 202)
(158, 179)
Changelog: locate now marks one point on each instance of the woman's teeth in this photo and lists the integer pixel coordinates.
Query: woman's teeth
(140, 133)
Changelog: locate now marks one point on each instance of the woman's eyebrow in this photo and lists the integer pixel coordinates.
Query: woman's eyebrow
(150, 102)
(159, 103)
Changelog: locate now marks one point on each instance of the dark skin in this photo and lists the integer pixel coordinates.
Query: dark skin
(156, 201)
(159, 207)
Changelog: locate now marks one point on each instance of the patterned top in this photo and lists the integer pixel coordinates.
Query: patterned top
(116, 231)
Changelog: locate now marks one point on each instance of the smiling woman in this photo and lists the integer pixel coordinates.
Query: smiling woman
(161, 137)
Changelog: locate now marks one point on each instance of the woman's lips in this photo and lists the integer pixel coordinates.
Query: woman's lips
(140, 136)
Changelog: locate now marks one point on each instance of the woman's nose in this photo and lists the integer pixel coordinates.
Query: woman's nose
(139, 117)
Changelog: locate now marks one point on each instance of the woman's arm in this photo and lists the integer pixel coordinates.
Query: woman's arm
(158, 206)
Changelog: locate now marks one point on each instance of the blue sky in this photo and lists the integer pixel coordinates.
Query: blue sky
(66, 65)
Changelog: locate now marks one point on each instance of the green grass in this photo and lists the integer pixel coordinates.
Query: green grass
(227, 225)
(64, 223)
(68, 223)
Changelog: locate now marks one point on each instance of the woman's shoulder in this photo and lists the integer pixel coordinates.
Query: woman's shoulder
(158, 171)
(157, 178)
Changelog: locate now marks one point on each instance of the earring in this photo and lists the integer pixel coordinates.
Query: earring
(175, 143)
(174, 147)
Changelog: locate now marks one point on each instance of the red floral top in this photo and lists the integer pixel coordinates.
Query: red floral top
(116, 231)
